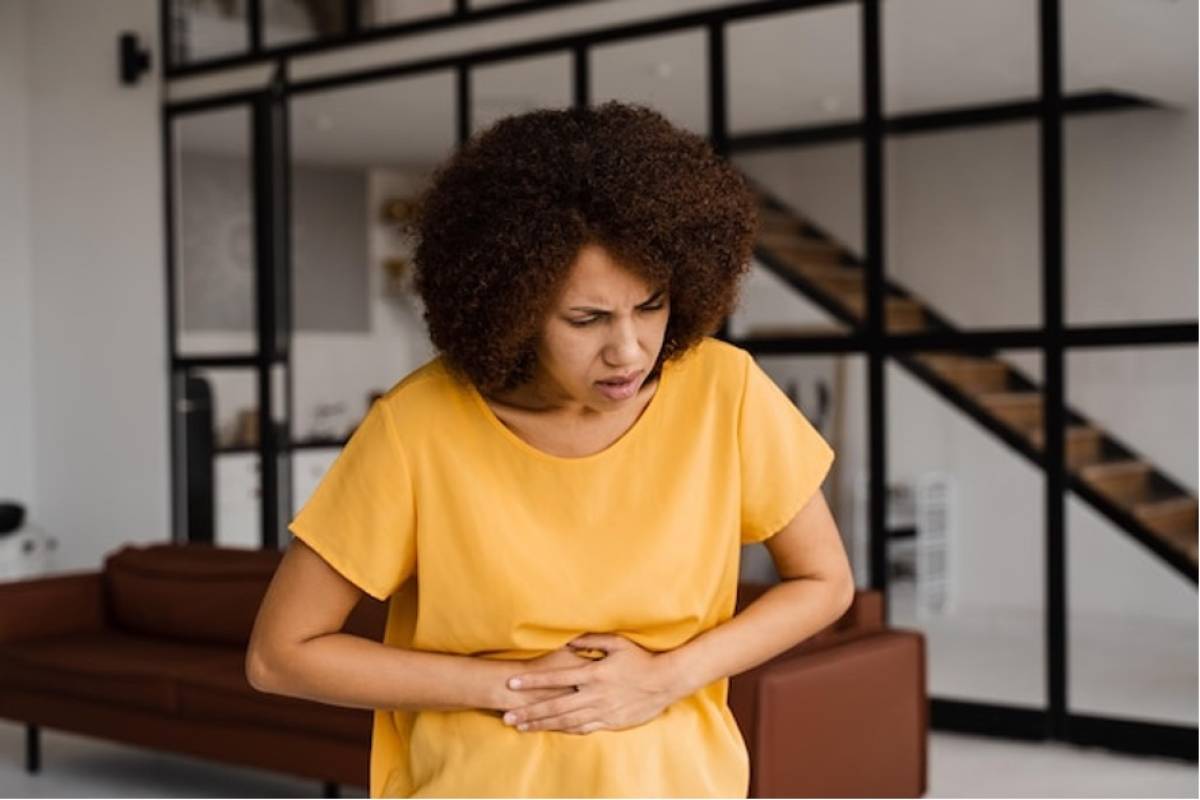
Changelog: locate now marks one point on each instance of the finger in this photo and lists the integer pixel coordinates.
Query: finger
(547, 709)
(597, 641)
(552, 678)
(587, 727)
(558, 722)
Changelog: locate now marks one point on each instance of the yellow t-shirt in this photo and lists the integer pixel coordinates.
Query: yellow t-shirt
(512, 552)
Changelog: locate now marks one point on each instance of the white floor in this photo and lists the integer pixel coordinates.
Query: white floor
(959, 766)
(1120, 666)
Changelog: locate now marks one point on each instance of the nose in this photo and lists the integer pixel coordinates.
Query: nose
(623, 343)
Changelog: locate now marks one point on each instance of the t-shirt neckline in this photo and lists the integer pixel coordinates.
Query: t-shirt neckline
(642, 421)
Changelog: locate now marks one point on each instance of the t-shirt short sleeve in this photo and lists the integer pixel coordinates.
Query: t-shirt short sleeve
(784, 459)
(361, 517)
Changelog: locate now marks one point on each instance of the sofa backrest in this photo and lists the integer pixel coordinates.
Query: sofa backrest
(201, 592)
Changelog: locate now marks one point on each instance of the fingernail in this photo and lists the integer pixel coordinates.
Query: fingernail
(514, 683)
(508, 718)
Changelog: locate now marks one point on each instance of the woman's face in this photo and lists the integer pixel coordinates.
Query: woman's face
(606, 323)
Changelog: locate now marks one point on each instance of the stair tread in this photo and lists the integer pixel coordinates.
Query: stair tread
(795, 240)
(961, 360)
(1166, 505)
(1011, 396)
(1074, 430)
(1115, 467)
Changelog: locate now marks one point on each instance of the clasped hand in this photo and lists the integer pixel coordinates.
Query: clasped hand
(628, 686)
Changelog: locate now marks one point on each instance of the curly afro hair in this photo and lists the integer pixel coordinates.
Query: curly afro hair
(504, 217)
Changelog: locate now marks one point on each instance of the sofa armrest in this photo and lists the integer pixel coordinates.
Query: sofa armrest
(51, 606)
(847, 720)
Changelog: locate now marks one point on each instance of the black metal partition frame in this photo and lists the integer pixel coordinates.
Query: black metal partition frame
(1052, 337)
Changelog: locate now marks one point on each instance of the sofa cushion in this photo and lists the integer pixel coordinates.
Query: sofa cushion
(216, 690)
(193, 591)
(108, 667)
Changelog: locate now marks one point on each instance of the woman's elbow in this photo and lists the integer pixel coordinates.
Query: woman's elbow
(258, 671)
(847, 589)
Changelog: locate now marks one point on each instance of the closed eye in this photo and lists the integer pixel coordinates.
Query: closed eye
(579, 323)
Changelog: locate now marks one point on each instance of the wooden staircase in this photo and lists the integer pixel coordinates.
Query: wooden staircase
(1121, 484)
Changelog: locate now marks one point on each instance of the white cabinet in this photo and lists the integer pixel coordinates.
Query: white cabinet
(238, 492)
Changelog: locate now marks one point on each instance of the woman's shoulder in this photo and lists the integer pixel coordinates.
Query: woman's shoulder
(429, 389)
(713, 360)
(709, 373)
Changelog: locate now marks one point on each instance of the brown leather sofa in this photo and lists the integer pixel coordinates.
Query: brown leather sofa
(149, 650)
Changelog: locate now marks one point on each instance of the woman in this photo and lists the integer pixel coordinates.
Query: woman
(560, 496)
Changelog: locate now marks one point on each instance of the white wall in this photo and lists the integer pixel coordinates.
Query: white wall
(16, 264)
(84, 407)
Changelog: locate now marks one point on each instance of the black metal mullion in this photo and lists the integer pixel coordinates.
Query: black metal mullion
(266, 255)
(254, 20)
(174, 399)
(581, 76)
(718, 121)
(873, 211)
(1054, 411)
(166, 41)
(462, 85)
(285, 324)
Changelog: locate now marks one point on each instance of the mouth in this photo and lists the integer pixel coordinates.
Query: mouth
(617, 392)
(621, 380)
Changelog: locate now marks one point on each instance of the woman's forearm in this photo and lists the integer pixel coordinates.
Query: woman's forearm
(782, 617)
(346, 670)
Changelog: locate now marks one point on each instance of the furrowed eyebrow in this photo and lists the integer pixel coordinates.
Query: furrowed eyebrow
(651, 299)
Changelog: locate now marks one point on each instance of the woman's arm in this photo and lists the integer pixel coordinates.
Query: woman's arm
(297, 649)
(817, 588)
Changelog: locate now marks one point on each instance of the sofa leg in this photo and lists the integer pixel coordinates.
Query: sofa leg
(33, 748)
(331, 790)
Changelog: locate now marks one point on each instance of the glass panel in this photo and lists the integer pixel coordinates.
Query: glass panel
(360, 156)
(214, 234)
(1130, 217)
(991, 57)
(828, 390)
(1117, 45)
(396, 12)
(201, 30)
(1130, 193)
(1132, 627)
(963, 213)
(806, 277)
(292, 21)
(770, 306)
(966, 521)
(217, 430)
(798, 68)
(668, 73)
(543, 82)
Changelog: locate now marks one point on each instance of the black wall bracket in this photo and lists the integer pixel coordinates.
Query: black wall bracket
(134, 60)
